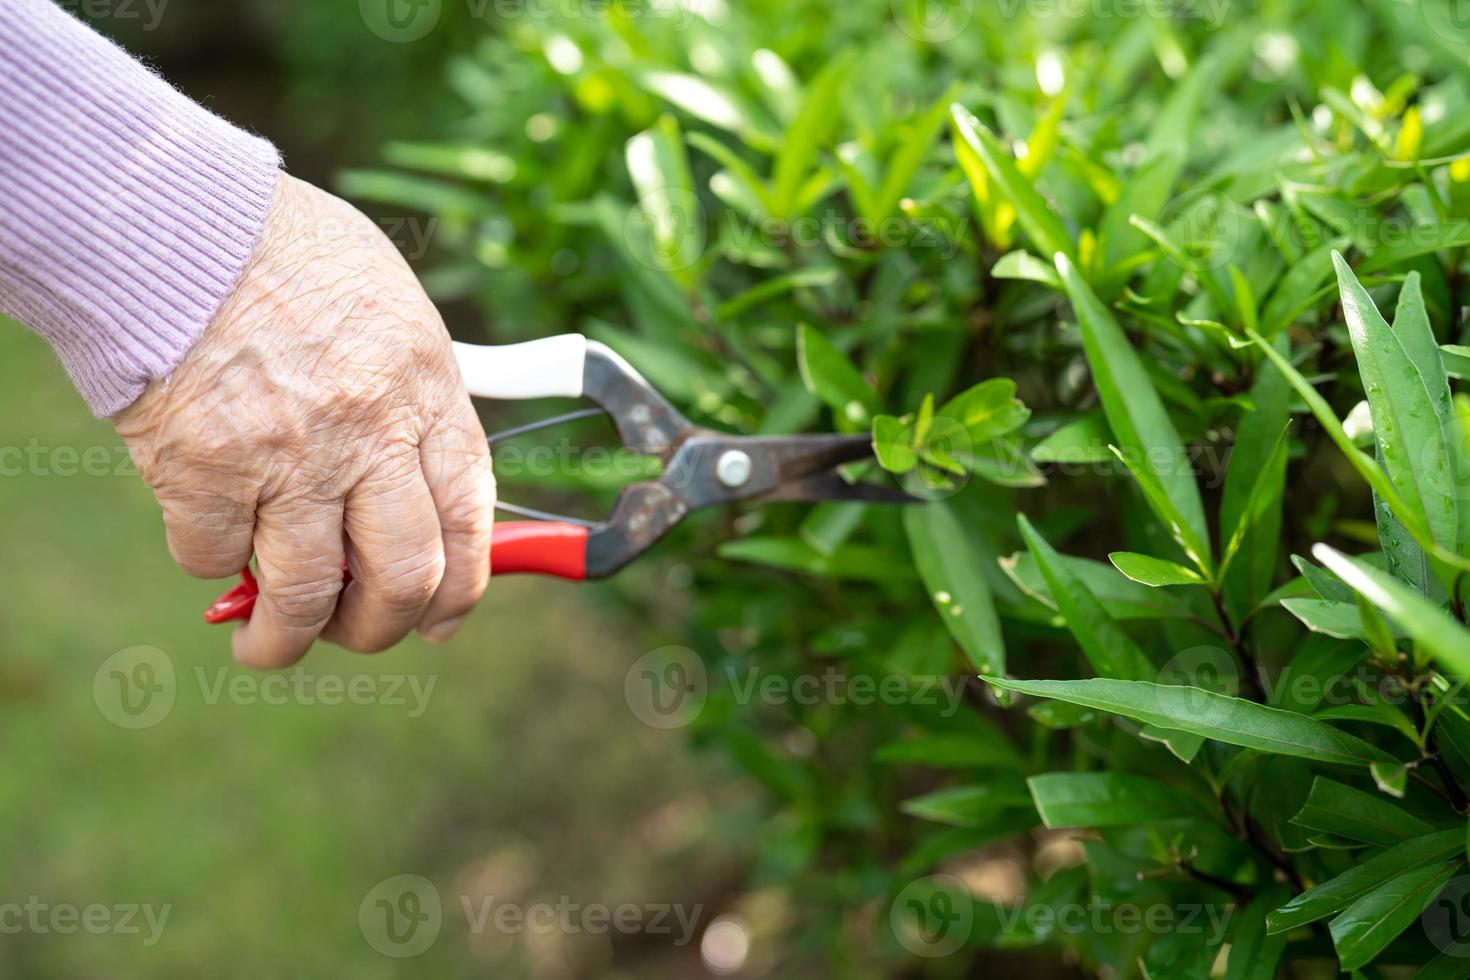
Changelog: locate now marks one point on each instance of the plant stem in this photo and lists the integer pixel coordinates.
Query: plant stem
(1240, 891)
(1453, 794)
(1232, 636)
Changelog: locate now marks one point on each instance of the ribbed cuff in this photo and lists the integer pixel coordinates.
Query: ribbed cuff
(127, 212)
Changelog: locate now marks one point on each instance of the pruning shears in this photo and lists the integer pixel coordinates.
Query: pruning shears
(701, 467)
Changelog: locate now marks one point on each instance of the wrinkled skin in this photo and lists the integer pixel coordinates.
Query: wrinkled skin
(322, 418)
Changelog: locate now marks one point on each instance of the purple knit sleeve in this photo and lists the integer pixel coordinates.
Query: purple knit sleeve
(127, 212)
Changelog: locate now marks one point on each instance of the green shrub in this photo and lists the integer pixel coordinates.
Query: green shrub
(1102, 282)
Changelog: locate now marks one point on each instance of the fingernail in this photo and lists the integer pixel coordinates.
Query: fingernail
(443, 632)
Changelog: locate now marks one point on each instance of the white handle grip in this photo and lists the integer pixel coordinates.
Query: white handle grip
(549, 368)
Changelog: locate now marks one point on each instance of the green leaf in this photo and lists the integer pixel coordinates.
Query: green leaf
(1338, 893)
(1417, 241)
(1107, 799)
(976, 144)
(1262, 501)
(1316, 663)
(1176, 953)
(855, 563)
(1027, 267)
(465, 160)
(1404, 555)
(775, 288)
(1077, 443)
(1327, 585)
(1337, 619)
(813, 126)
(1176, 252)
(970, 751)
(715, 105)
(948, 561)
(738, 169)
(1367, 467)
(830, 524)
(988, 410)
(1327, 842)
(1334, 808)
(1376, 713)
(1002, 461)
(1391, 777)
(970, 806)
(1040, 148)
(1173, 127)
(1245, 299)
(1255, 953)
(1299, 289)
(1121, 598)
(1185, 746)
(1406, 421)
(1147, 192)
(1137, 416)
(1452, 965)
(1411, 326)
(893, 443)
(1041, 145)
(1153, 572)
(1456, 360)
(1217, 716)
(658, 303)
(1059, 715)
(660, 171)
(1375, 630)
(830, 376)
(1109, 649)
(1429, 625)
(1367, 926)
(1297, 588)
(1159, 501)
(780, 89)
(776, 769)
(913, 149)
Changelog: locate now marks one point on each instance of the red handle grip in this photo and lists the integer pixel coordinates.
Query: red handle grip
(539, 548)
(524, 547)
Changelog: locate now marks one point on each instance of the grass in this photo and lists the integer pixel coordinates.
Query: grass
(263, 826)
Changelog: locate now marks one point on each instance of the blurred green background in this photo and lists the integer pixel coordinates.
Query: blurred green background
(263, 826)
(520, 773)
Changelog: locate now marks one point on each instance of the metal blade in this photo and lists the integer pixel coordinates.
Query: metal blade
(807, 467)
(792, 457)
(831, 486)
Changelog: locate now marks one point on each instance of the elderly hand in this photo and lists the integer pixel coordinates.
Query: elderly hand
(322, 417)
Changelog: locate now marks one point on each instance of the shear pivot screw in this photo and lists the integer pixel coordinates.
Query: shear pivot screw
(733, 468)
